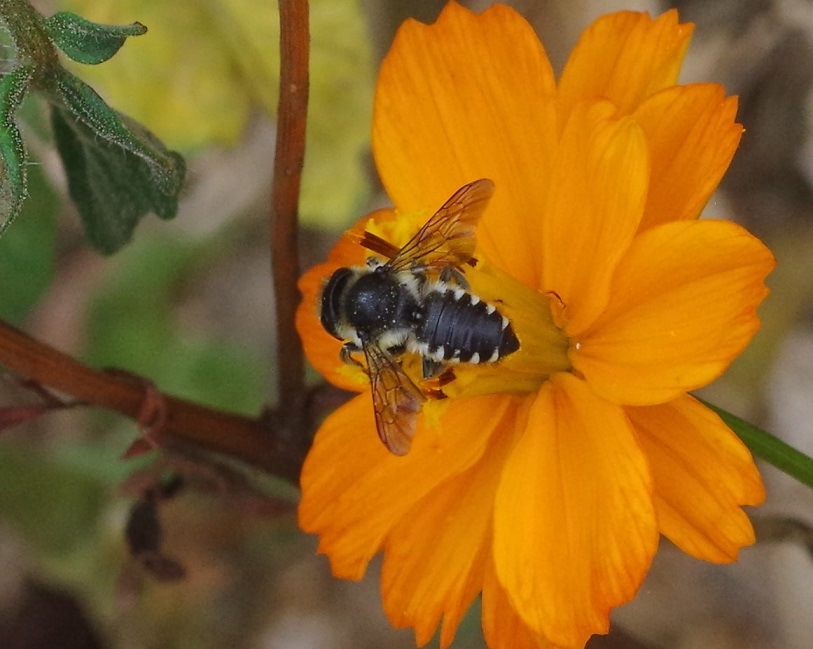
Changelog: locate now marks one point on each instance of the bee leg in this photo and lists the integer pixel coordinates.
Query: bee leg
(435, 388)
(451, 274)
(346, 355)
(431, 368)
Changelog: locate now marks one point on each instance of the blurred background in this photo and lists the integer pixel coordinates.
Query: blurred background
(189, 305)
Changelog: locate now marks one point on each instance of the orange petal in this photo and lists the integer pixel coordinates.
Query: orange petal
(683, 306)
(574, 525)
(471, 96)
(703, 473)
(692, 137)
(593, 210)
(354, 491)
(624, 57)
(434, 558)
(502, 627)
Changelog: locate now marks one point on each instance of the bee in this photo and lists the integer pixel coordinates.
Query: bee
(417, 302)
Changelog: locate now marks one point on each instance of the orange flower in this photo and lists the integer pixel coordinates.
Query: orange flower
(545, 480)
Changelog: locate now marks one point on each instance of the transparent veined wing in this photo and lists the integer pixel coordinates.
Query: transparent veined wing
(396, 399)
(448, 237)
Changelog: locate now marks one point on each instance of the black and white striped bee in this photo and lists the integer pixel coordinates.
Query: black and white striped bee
(418, 302)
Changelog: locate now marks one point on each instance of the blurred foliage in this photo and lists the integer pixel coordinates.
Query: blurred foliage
(203, 66)
(132, 325)
(26, 250)
(179, 78)
(54, 506)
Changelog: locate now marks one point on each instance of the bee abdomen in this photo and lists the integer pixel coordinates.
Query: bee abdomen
(459, 327)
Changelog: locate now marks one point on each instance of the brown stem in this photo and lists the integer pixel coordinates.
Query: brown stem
(288, 161)
(186, 423)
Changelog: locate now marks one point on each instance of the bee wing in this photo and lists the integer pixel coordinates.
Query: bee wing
(447, 239)
(396, 399)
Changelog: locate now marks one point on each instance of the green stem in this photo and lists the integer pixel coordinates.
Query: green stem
(771, 449)
(28, 31)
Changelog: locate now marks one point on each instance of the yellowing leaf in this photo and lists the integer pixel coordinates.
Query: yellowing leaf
(340, 105)
(194, 76)
(176, 78)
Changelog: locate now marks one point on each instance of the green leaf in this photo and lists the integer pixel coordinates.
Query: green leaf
(117, 170)
(13, 89)
(88, 42)
(771, 449)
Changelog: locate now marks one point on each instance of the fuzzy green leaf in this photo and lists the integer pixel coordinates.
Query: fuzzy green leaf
(88, 42)
(117, 170)
(13, 89)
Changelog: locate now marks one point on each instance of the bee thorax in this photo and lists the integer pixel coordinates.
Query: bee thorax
(378, 301)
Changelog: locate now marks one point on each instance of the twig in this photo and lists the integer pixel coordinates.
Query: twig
(186, 423)
(288, 161)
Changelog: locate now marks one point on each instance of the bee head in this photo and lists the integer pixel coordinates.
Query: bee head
(332, 310)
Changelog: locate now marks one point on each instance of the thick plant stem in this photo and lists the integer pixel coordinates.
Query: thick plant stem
(288, 162)
(186, 423)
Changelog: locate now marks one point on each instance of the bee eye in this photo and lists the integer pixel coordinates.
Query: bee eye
(332, 296)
